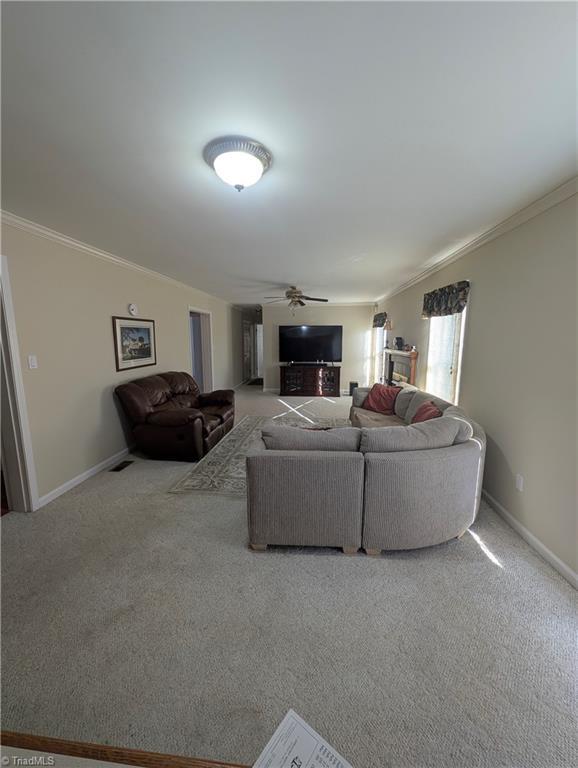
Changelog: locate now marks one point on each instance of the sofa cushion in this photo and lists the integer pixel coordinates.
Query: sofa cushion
(165, 417)
(436, 433)
(218, 397)
(223, 412)
(425, 412)
(186, 401)
(362, 418)
(155, 389)
(298, 439)
(381, 399)
(466, 426)
(403, 400)
(419, 398)
(174, 410)
(181, 383)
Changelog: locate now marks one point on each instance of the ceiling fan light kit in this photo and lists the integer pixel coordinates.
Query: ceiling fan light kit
(238, 160)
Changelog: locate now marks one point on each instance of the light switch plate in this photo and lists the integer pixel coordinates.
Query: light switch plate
(32, 362)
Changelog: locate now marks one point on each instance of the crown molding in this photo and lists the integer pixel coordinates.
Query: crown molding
(329, 305)
(11, 219)
(437, 262)
(443, 259)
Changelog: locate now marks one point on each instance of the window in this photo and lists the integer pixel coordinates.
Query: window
(444, 355)
(378, 345)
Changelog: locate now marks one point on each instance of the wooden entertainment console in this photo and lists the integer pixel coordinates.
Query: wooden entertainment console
(310, 380)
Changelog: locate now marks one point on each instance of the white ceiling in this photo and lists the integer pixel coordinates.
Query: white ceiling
(398, 130)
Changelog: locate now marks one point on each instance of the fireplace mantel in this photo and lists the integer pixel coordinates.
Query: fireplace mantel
(407, 359)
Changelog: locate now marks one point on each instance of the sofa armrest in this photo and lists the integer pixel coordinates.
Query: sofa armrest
(257, 448)
(305, 498)
(218, 397)
(419, 498)
(176, 418)
(359, 395)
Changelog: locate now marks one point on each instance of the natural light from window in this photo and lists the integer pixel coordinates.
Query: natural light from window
(379, 337)
(490, 555)
(446, 335)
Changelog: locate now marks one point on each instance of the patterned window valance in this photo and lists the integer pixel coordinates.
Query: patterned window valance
(449, 300)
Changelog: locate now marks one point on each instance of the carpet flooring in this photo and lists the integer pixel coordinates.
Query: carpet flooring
(137, 617)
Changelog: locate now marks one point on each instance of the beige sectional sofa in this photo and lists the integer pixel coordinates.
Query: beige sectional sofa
(406, 404)
(399, 487)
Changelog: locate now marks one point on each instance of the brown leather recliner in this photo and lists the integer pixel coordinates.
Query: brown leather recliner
(171, 419)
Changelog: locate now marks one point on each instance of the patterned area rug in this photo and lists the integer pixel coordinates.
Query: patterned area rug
(222, 470)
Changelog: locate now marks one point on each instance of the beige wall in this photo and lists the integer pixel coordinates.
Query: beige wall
(519, 366)
(64, 299)
(356, 321)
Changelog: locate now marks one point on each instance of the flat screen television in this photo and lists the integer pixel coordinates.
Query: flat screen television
(310, 343)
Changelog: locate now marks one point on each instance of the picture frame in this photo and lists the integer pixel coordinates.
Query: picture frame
(134, 343)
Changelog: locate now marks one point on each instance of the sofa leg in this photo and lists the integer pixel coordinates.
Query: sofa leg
(373, 552)
(258, 547)
(350, 550)
(459, 536)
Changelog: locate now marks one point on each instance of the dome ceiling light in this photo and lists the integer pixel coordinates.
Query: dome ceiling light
(237, 160)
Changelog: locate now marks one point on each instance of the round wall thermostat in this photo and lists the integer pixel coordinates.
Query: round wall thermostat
(133, 309)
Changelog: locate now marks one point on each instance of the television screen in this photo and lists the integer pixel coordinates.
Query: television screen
(310, 343)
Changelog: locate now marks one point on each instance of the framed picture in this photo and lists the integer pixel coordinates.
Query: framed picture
(134, 342)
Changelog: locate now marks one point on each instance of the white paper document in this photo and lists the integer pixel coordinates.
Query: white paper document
(296, 745)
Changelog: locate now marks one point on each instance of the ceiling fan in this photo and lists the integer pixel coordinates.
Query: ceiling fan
(294, 296)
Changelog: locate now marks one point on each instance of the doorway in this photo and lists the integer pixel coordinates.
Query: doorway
(252, 351)
(5, 508)
(248, 349)
(258, 370)
(18, 476)
(197, 348)
(201, 348)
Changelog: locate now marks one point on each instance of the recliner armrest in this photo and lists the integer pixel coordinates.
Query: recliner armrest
(218, 397)
(176, 418)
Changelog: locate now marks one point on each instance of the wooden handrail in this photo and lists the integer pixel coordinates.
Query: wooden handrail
(106, 753)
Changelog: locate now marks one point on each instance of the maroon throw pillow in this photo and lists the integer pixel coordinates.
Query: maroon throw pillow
(381, 399)
(425, 412)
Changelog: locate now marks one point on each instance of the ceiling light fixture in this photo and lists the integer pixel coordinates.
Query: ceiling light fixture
(237, 160)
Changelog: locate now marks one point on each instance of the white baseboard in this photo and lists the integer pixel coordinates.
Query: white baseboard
(69, 484)
(240, 384)
(563, 569)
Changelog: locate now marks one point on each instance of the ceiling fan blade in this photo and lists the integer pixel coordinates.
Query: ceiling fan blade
(273, 297)
(312, 298)
(302, 303)
(276, 301)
